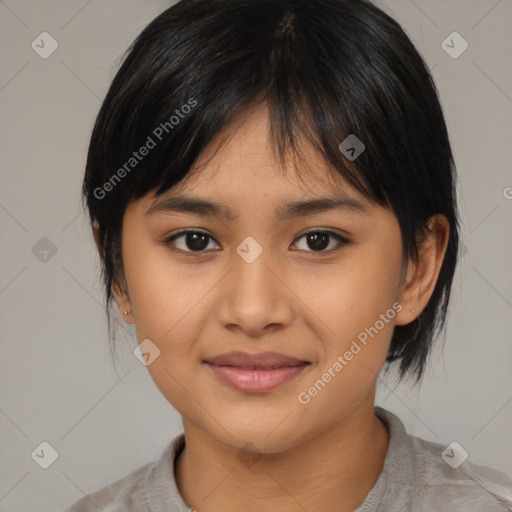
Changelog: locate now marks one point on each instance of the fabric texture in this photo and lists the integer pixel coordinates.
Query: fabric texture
(415, 478)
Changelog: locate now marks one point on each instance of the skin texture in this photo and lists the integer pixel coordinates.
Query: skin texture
(323, 455)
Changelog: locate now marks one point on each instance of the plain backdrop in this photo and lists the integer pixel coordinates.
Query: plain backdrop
(58, 384)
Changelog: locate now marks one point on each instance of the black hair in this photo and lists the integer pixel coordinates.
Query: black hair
(325, 69)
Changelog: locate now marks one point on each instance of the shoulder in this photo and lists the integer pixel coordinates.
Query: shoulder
(139, 490)
(422, 475)
(125, 494)
(451, 478)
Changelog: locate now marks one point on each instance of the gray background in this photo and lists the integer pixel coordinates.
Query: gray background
(57, 381)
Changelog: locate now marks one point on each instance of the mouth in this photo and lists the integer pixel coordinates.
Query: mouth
(255, 373)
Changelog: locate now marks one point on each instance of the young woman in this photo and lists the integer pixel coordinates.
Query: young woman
(272, 192)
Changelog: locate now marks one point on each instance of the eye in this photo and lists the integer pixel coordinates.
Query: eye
(195, 241)
(318, 241)
(189, 241)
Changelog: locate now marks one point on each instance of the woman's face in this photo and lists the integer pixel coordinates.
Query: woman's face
(257, 283)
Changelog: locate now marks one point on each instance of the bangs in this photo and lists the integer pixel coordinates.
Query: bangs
(280, 63)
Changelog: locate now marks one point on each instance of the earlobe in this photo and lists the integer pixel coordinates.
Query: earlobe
(125, 310)
(122, 299)
(408, 298)
(126, 313)
(422, 275)
(124, 305)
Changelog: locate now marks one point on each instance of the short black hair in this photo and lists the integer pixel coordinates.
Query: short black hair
(325, 69)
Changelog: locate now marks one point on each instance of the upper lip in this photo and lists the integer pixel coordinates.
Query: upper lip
(259, 360)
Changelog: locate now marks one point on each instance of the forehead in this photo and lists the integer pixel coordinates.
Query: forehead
(238, 171)
(243, 155)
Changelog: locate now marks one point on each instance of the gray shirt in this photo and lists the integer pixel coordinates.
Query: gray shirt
(418, 476)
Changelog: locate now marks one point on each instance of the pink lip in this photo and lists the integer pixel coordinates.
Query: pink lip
(257, 373)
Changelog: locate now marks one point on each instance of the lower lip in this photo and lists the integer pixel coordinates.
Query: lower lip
(256, 381)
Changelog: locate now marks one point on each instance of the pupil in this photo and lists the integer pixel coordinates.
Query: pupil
(319, 241)
(197, 241)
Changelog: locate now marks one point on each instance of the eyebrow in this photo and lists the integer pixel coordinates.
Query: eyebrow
(204, 208)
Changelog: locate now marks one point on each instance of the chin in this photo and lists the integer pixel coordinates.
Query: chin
(260, 437)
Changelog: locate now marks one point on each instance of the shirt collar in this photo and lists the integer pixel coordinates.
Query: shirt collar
(399, 478)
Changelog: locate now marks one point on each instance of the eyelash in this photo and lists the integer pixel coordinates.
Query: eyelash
(341, 241)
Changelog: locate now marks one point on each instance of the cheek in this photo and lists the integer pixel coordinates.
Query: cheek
(159, 294)
(166, 305)
(359, 307)
(358, 303)
(352, 295)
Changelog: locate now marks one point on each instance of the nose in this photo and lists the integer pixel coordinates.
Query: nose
(255, 298)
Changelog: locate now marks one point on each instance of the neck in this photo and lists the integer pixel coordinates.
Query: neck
(334, 470)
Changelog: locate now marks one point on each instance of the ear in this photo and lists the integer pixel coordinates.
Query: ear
(123, 302)
(119, 291)
(422, 275)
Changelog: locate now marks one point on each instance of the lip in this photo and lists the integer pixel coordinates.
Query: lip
(255, 373)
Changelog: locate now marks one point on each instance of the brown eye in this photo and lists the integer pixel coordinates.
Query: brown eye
(319, 241)
(189, 241)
